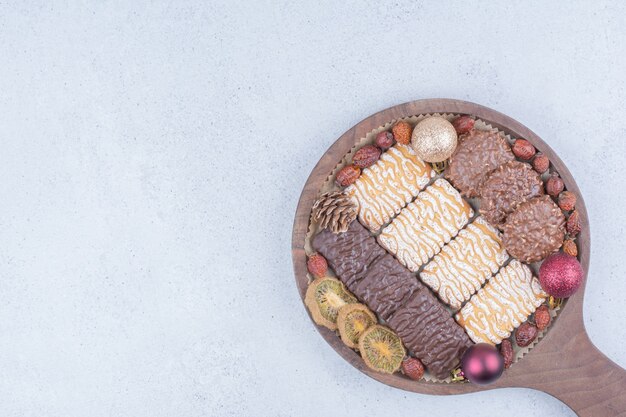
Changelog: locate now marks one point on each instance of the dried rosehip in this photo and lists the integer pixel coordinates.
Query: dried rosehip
(384, 140)
(573, 223)
(506, 350)
(569, 247)
(523, 149)
(554, 185)
(542, 317)
(366, 156)
(541, 163)
(347, 175)
(463, 124)
(413, 368)
(317, 265)
(525, 334)
(567, 200)
(402, 132)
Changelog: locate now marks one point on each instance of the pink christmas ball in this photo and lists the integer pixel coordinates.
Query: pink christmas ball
(560, 275)
(482, 363)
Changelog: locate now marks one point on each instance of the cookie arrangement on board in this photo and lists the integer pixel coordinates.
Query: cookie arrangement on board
(442, 249)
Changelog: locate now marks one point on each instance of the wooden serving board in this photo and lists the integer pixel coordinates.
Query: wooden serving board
(564, 364)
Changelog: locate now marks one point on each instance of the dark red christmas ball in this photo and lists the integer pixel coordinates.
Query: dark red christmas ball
(482, 364)
(560, 275)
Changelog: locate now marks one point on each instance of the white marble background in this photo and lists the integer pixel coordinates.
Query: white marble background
(152, 155)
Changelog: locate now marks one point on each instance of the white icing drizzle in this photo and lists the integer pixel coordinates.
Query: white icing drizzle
(464, 264)
(502, 305)
(384, 188)
(424, 226)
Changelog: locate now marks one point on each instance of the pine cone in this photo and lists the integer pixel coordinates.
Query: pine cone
(334, 210)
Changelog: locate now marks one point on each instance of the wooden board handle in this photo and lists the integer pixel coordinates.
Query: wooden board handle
(591, 384)
(577, 373)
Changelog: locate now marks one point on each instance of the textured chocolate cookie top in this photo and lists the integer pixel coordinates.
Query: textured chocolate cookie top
(534, 230)
(506, 188)
(479, 152)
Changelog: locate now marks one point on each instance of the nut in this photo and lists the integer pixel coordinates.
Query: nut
(554, 185)
(573, 223)
(542, 317)
(567, 200)
(317, 265)
(506, 350)
(523, 149)
(347, 175)
(413, 368)
(402, 132)
(525, 334)
(463, 124)
(569, 247)
(384, 140)
(541, 163)
(366, 156)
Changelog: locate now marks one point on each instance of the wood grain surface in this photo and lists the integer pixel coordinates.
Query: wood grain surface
(564, 364)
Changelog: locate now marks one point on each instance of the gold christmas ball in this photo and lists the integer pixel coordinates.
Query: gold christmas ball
(434, 139)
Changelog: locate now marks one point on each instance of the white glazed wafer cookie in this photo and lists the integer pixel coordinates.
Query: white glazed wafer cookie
(386, 187)
(503, 304)
(424, 226)
(464, 264)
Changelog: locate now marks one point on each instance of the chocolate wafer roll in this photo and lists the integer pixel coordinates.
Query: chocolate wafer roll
(349, 254)
(395, 294)
(427, 329)
(371, 274)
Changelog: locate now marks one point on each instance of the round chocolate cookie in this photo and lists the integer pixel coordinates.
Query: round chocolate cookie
(479, 152)
(506, 188)
(534, 230)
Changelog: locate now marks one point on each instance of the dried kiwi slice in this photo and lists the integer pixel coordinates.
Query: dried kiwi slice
(352, 321)
(324, 297)
(381, 349)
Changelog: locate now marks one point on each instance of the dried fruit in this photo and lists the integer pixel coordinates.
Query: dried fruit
(413, 368)
(317, 265)
(402, 132)
(506, 350)
(366, 156)
(542, 317)
(567, 200)
(554, 185)
(569, 247)
(525, 334)
(541, 163)
(381, 349)
(523, 149)
(463, 124)
(573, 223)
(324, 297)
(352, 321)
(334, 210)
(384, 140)
(347, 175)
